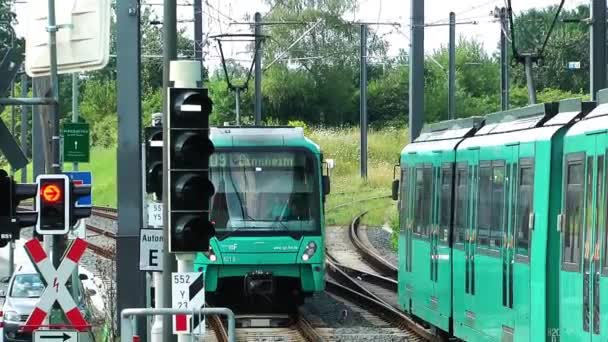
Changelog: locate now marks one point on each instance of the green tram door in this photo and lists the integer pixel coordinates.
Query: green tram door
(492, 223)
(584, 272)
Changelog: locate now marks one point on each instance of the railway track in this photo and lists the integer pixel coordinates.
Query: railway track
(377, 290)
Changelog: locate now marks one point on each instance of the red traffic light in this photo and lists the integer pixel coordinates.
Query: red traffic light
(51, 193)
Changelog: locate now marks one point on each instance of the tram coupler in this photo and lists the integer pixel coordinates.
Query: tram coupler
(259, 283)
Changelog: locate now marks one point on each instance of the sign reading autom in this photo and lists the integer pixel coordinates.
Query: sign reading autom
(76, 143)
(150, 250)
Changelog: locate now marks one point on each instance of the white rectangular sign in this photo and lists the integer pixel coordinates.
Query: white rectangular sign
(55, 336)
(188, 292)
(151, 250)
(155, 214)
(83, 37)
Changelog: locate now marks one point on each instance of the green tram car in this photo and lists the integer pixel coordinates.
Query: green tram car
(268, 212)
(503, 225)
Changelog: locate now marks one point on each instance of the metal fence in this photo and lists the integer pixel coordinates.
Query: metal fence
(127, 326)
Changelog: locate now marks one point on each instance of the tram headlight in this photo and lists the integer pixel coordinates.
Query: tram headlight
(310, 250)
(211, 255)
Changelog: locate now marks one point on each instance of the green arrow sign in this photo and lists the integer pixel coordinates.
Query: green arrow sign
(76, 144)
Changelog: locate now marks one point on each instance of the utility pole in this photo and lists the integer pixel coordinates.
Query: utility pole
(131, 283)
(529, 59)
(598, 46)
(452, 69)
(258, 69)
(169, 54)
(24, 115)
(198, 31)
(416, 111)
(504, 61)
(363, 102)
(237, 91)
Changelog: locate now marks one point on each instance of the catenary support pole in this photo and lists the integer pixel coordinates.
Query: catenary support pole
(198, 30)
(258, 68)
(504, 61)
(130, 282)
(452, 69)
(363, 102)
(169, 54)
(416, 110)
(238, 105)
(528, 66)
(598, 46)
(24, 124)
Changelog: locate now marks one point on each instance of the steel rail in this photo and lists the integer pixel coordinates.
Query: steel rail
(368, 254)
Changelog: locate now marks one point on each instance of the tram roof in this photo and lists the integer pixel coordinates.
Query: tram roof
(596, 121)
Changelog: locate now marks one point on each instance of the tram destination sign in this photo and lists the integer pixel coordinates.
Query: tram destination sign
(76, 143)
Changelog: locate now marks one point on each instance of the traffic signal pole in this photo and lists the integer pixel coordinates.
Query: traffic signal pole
(169, 54)
(184, 74)
(416, 110)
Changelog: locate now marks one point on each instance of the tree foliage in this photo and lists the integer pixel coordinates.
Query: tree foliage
(316, 82)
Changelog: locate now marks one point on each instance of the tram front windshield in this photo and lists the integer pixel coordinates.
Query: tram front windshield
(264, 191)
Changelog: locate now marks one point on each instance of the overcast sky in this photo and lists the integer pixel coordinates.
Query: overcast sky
(219, 14)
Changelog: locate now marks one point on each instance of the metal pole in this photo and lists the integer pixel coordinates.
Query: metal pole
(37, 142)
(452, 69)
(24, 117)
(598, 47)
(416, 111)
(130, 284)
(530, 78)
(363, 102)
(75, 167)
(238, 106)
(198, 30)
(258, 69)
(169, 54)
(13, 121)
(11, 245)
(504, 61)
(75, 107)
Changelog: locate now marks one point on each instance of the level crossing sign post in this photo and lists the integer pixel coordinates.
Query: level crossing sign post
(55, 285)
(188, 292)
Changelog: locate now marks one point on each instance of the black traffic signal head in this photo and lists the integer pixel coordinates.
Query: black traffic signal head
(154, 161)
(189, 149)
(12, 219)
(77, 191)
(53, 204)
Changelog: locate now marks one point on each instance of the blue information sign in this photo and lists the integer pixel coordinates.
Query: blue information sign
(82, 177)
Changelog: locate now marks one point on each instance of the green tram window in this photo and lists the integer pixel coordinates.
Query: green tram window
(572, 235)
(603, 226)
(446, 203)
(589, 202)
(524, 206)
(498, 203)
(462, 200)
(490, 206)
(484, 204)
(403, 201)
(423, 204)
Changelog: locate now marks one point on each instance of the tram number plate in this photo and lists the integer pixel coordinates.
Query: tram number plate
(155, 214)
